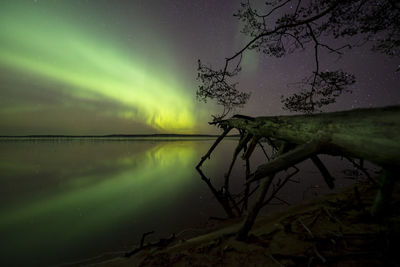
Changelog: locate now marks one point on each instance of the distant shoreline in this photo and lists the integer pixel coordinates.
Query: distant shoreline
(111, 136)
(114, 135)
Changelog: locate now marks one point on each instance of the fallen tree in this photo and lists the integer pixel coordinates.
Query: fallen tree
(368, 134)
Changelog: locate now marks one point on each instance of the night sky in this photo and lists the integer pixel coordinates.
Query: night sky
(128, 67)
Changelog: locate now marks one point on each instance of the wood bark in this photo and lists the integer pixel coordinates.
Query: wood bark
(368, 134)
(371, 134)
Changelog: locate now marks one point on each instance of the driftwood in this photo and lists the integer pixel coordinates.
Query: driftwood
(163, 242)
(368, 134)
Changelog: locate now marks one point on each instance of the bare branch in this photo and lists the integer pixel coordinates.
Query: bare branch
(324, 171)
(276, 8)
(288, 159)
(339, 19)
(208, 154)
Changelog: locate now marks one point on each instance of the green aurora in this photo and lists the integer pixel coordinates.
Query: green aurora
(88, 62)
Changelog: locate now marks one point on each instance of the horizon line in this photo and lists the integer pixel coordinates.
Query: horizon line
(107, 135)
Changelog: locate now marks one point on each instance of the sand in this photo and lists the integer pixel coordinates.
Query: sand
(334, 230)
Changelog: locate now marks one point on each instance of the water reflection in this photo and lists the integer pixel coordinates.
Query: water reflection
(64, 201)
(72, 199)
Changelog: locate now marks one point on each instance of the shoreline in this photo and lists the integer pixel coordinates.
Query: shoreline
(331, 230)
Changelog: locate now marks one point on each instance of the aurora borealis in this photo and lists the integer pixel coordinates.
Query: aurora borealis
(87, 63)
(76, 75)
(89, 67)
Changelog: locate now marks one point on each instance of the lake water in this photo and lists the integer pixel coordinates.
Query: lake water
(65, 200)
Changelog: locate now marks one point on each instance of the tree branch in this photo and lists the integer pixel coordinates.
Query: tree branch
(288, 159)
(324, 171)
(277, 29)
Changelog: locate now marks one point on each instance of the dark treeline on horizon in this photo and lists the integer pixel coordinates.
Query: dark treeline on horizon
(110, 136)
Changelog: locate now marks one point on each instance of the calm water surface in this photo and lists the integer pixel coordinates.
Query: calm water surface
(65, 200)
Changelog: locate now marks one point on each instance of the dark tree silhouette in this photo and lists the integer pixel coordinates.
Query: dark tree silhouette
(282, 27)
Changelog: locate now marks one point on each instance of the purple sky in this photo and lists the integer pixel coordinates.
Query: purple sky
(169, 36)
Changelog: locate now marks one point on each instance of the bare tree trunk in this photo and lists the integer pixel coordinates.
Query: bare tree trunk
(368, 134)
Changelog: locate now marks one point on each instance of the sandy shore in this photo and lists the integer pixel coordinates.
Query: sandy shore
(334, 230)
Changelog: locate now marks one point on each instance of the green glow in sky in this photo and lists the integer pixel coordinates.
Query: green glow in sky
(89, 61)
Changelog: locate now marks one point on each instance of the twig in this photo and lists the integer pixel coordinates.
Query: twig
(144, 236)
(141, 246)
(331, 216)
(277, 30)
(315, 218)
(235, 205)
(281, 185)
(265, 153)
(361, 168)
(305, 227)
(274, 260)
(316, 73)
(251, 193)
(275, 8)
(319, 255)
(282, 200)
(217, 195)
(272, 144)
